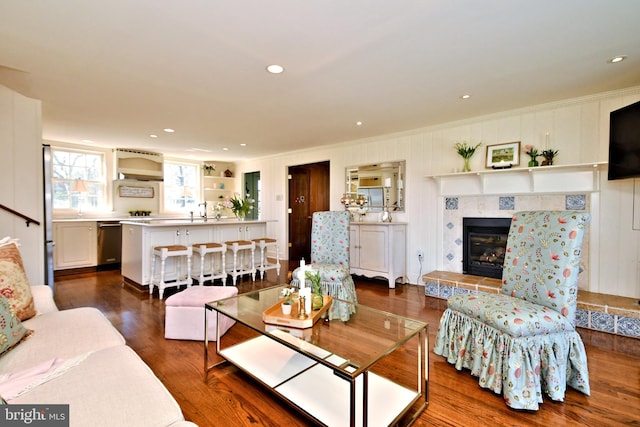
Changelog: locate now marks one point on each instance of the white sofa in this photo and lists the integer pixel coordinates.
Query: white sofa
(106, 384)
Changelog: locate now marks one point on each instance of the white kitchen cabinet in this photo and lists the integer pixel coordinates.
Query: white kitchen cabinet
(378, 250)
(240, 231)
(76, 244)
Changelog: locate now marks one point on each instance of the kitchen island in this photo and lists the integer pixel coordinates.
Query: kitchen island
(139, 238)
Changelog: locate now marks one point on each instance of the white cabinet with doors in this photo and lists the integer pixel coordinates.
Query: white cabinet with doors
(76, 244)
(378, 250)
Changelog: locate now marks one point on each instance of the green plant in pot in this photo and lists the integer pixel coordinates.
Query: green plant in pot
(317, 300)
(287, 304)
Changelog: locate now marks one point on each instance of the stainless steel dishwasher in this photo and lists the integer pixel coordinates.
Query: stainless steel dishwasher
(109, 243)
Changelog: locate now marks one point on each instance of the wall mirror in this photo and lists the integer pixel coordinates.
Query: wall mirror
(378, 184)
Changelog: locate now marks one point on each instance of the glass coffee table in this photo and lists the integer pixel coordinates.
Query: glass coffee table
(369, 370)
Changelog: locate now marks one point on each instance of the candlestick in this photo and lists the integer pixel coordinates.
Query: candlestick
(546, 141)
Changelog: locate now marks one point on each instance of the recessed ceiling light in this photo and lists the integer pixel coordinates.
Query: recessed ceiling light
(617, 59)
(225, 149)
(243, 145)
(153, 136)
(465, 96)
(358, 123)
(275, 69)
(168, 130)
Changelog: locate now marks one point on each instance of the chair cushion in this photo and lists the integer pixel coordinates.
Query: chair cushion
(332, 272)
(14, 284)
(513, 316)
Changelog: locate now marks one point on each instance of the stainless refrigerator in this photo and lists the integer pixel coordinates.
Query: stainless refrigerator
(48, 216)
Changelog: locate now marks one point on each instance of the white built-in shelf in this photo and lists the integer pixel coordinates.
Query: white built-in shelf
(577, 178)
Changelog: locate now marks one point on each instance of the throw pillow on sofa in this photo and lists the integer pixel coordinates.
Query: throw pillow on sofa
(14, 284)
(11, 329)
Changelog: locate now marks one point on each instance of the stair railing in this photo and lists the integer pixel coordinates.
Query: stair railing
(16, 213)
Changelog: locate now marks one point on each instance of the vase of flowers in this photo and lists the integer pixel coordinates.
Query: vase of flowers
(240, 207)
(317, 300)
(548, 155)
(533, 154)
(466, 151)
(208, 168)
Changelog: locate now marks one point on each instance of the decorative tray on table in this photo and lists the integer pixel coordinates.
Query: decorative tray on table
(275, 316)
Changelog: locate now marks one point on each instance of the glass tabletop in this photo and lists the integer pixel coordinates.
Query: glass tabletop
(349, 346)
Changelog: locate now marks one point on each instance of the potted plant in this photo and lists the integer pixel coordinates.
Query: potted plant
(287, 304)
(548, 155)
(209, 168)
(240, 207)
(466, 151)
(317, 300)
(533, 154)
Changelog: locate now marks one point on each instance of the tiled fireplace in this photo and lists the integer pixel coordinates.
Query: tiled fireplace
(457, 208)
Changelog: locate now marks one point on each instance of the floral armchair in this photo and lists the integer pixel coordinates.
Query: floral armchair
(522, 341)
(330, 257)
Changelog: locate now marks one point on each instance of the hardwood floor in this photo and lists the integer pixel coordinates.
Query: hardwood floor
(231, 398)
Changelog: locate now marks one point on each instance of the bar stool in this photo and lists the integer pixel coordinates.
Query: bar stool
(263, 264)
(242, 249)
(164, 252)
(214, 273)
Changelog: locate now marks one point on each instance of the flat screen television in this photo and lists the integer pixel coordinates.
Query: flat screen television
(624, 142)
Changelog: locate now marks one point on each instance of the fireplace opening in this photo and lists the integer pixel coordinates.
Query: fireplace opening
(484, 242)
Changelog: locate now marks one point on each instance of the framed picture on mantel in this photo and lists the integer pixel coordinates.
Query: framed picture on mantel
(503, 156)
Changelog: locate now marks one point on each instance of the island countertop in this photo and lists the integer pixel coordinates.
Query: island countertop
(172, 222)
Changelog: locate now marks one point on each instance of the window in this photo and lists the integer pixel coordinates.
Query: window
(181, 186)
(78, 179)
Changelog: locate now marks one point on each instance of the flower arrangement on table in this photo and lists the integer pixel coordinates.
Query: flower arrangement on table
(287, 304)
(208, 168)
(287, 293)
(240, 207)
(466, 151)
(533, 153)
(317, 300)
(548, 155)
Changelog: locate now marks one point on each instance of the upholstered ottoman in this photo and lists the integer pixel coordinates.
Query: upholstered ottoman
(184, 313)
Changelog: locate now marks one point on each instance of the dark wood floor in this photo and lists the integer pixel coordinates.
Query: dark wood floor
(231, 398)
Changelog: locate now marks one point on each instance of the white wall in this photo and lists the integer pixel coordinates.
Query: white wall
(21, 186)
(578, 128)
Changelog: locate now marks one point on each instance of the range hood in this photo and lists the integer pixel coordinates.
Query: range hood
(138, 164)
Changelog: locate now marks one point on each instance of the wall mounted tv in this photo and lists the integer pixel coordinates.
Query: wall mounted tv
(624, 142)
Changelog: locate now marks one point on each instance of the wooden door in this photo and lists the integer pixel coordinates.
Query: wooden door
(308, 193)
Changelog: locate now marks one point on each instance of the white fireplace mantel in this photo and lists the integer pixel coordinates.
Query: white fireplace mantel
(577, 178)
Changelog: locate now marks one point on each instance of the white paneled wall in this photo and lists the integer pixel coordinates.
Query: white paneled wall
(579, 128)
(21, 177)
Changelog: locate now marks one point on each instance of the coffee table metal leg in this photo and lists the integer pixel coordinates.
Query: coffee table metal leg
(365, 398)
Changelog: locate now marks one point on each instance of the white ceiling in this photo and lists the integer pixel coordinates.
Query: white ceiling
(116, 71)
